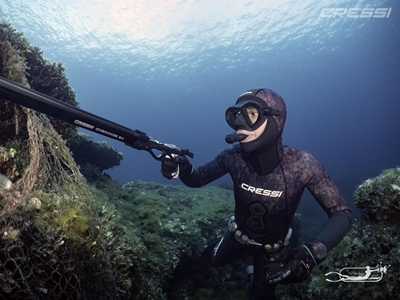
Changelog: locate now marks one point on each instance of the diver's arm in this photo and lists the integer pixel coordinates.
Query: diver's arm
(328, 195)
(331, 200)
(210, 171)
(194, 179)
(299, 262)
(335, 229)
(340, 215)
(191, 176)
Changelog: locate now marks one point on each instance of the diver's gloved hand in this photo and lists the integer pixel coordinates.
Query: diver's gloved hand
(175, 166)
(297, 263)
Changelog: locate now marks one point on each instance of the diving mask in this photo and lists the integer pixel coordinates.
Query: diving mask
(248, 114)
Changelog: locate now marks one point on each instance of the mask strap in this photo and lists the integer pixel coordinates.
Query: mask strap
(276, 112)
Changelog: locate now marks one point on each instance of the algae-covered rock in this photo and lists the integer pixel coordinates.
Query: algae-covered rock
(25, 64)
(158, 237)
(51, 244)
(93, 157)
(379, 198)
(157, 233)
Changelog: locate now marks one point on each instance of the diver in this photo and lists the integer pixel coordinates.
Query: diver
(269, 179)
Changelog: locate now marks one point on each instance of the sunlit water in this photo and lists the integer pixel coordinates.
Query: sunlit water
(171, 68)
(146, 38)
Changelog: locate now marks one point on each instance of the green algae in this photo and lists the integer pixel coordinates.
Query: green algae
(171, 227)
(63, 214)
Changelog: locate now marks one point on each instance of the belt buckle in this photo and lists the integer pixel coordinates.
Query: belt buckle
(254, 243)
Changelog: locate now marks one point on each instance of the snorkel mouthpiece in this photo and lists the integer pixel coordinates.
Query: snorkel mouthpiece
(235, 137)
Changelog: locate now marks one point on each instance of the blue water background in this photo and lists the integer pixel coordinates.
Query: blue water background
(171, 70)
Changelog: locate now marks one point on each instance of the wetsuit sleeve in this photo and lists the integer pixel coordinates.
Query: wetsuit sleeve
(206, 173)
(331, 200)
(335, 229)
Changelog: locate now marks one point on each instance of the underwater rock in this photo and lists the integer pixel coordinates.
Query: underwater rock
(163, 231)
(41, 74)
(163, 238)
(379, 198)
(93, 157)
(24, 64)
(57, 251)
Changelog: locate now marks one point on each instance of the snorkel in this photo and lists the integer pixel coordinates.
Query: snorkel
(235, 137)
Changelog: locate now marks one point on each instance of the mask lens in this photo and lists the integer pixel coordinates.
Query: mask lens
(231, 115)
(248, 112)
(252, 113)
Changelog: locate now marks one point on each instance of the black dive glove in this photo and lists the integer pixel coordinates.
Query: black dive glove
(175, 166)
(297, 263)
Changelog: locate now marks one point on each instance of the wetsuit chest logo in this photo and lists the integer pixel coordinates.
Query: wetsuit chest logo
(255, 222)
(261, 191)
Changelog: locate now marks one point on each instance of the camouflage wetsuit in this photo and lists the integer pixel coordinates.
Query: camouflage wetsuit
(269, 179)
(265, 204)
